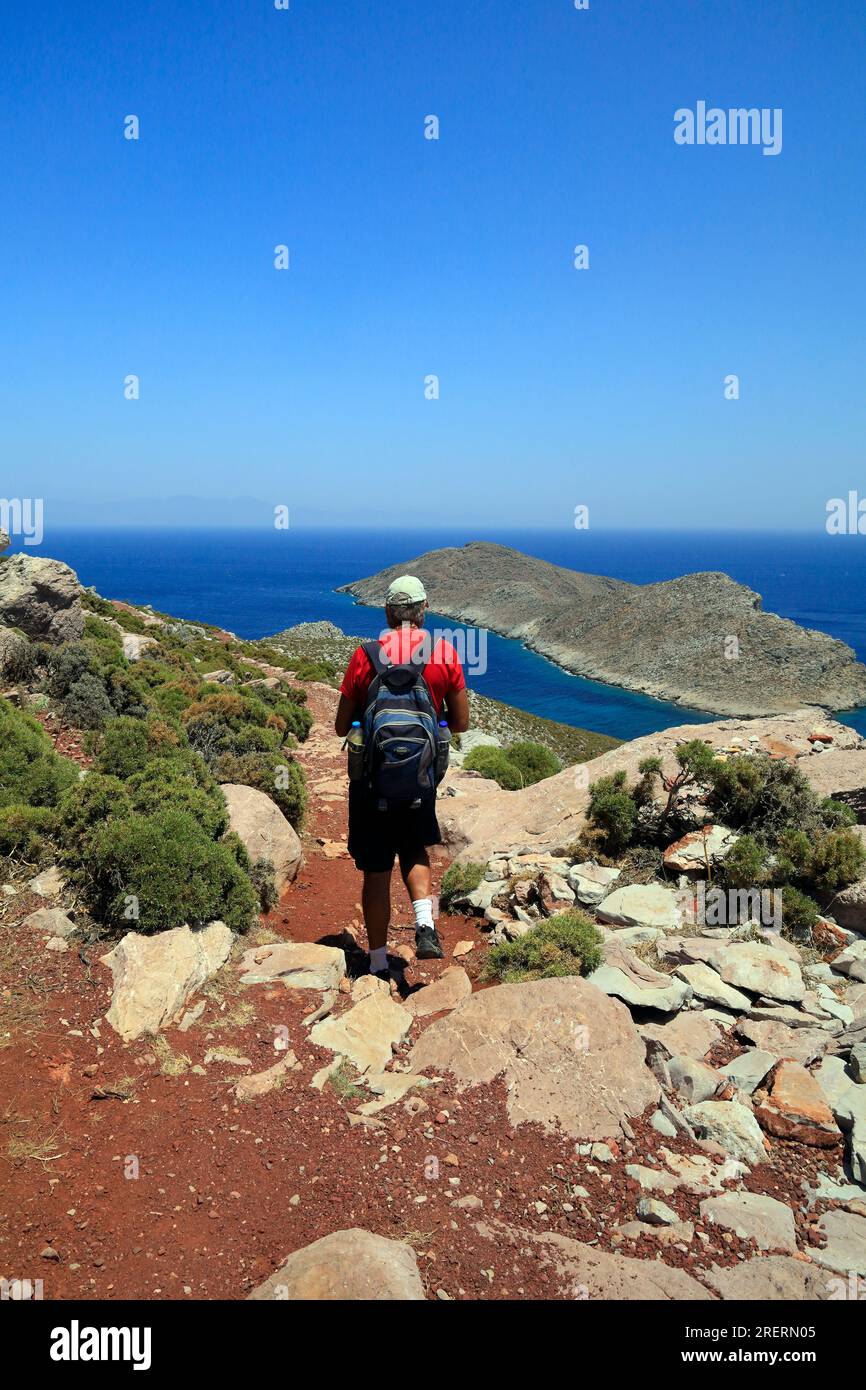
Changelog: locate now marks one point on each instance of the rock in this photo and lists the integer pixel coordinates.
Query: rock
(795, 1108)
(295, 964)
(135, 645)
(50, 921)
(707, 984)
(857, 1062)
(849, 906)
(680, 1233)
(595, 1274)
(697, 852)
(852, 962)
(800, 1044)
(568, 1054)
(691, 1032)
(641, 905)
(762, 970)
(753, 1216)
(591, 881)
(155, 975)
(452, 986)
(366, 1033)
(845, 1250)
(625, 976)
(748, 1071)
(264, 830)
(56, 943)
(690, 950)
(49, 884)
(857, 1152)
(770, 1279)
(731, 1126)
(347, 1266)
(389, 1087)
(40, 597)
(662, 1125)
(260, 1083)
(656, 1213)
(692, 1080)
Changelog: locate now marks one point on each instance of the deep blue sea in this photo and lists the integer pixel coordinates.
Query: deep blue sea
(257, 582)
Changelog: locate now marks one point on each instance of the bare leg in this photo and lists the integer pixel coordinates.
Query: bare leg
(415, 869)
(376, 902)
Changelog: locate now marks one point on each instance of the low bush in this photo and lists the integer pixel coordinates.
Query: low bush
(458, 880)
(275, 773)
(799, 915)
(568, 944)
(493, 763)
(163, 870)
(19, 657)
(31, 772)
(533, 761)
(86, 703)
(263, 878)
(25, 832)
(611, 815)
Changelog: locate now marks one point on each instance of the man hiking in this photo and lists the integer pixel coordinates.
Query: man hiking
(402, 696)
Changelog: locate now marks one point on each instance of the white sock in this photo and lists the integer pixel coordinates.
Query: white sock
(423, 909)
(378, 959)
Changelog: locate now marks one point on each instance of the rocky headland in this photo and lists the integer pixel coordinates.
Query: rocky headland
(702, 640)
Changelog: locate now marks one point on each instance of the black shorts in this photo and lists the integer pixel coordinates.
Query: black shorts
(377, 837)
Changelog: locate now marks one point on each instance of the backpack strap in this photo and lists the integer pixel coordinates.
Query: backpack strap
(378, 660)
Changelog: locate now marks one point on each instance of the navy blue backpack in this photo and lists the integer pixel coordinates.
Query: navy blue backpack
(400, 732)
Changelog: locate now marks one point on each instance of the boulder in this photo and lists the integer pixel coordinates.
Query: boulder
(852, 962)
(748, 1071)
(753, 1216)
(135, 645)
(264, 830)
(800, 1044)
(154, 976)
(770, 1279)
(366, 1033)
(794, 1108)
(697, 852)
(707, 984)
(691, 1032)
(641, 905)
(296, 964)
(260, 1083)
(347, 1266)
(591, 881)
(762, 970)
(40, 597)
(849, 906)
(625, 976)
(693, 1081)
(50, 883)
(568, 1055)
(845, 1251)
(51, 921)
(731, 1126)
(452, 986)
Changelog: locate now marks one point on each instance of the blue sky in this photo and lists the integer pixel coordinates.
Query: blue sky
(411, 257)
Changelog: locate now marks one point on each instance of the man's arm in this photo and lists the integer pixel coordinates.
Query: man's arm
(457, 710)
(344, 716)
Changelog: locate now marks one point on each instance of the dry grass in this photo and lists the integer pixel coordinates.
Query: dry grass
(170, 1063)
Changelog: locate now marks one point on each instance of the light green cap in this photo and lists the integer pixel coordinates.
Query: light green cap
(406, 589)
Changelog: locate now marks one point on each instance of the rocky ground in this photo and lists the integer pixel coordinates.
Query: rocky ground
(517, 1146)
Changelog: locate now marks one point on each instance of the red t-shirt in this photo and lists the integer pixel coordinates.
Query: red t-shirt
(443, 672)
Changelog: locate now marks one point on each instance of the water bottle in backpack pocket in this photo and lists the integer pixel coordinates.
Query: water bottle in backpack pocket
(400, 733)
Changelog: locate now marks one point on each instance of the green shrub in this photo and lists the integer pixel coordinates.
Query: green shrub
(169, 867)
(799, 914)
(174, 783)
(494, 763)
(128, 744)
(86, 704)
(25, 831)
(836, 859)
(275, 773)
(263, 878)
(66, 665)
(19, 657)
(611, 814)
(568, 944)
(744, 866)
(31, 773)
(321, 670)
(458, 880)
(85, 808)
(533, 761)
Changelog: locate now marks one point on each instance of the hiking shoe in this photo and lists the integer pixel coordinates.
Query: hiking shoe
(427, 944)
